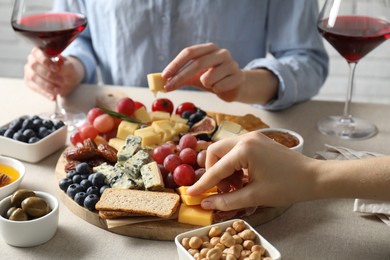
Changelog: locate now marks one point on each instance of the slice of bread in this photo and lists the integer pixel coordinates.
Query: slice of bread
(146, 203)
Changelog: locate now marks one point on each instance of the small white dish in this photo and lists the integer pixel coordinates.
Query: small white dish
(17, 165)
(298, 147)
(203, 231)
(36, 151)
(31, 232)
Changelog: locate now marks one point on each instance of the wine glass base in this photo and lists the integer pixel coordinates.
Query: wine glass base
(346, 128)
(73, 119)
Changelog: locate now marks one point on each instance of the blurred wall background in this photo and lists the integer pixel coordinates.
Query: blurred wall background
(372, 83)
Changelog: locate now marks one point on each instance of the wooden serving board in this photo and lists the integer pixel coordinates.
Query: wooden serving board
(154, 229)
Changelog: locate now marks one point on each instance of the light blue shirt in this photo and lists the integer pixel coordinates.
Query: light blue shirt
(127, 39)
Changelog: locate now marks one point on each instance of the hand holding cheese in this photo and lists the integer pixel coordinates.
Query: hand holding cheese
(208, 67)
(279, 176)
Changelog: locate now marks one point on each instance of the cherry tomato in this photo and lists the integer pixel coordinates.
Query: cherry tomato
(125, 106)
(162, 104)
(138, 104)
(186, 106)
(93, 113)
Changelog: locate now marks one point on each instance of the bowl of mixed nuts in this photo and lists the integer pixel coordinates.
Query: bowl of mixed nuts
(233, 239)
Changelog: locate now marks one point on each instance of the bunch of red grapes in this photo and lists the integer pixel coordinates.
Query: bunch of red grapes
(181, 164)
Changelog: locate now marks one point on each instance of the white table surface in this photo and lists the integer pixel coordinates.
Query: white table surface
(326, 229)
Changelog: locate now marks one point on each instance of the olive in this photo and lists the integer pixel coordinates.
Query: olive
(18, 215)
(35, 207)
(10, 211)
(19, 196)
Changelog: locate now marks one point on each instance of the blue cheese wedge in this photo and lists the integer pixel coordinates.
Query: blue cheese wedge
(152, 177)
(133, 165)
(132, 145)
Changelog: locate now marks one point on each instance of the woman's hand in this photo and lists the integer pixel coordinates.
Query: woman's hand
(276, 175)
(49, 78)
(207, 67)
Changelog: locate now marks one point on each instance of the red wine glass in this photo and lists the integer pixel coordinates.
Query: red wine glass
(353, 28)
(51, 31)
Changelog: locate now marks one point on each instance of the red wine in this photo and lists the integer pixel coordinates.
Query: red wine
(355, 36)
(51, 32)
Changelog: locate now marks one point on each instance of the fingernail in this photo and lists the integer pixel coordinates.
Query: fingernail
(168, 85)
(206, 204)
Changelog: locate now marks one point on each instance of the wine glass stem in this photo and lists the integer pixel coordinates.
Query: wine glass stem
(59, 111)
(347, 107)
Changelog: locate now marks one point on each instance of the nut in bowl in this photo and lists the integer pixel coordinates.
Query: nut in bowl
(11, 175)
(32, 138)
(286, 137)
(26, 231)
(234, 237)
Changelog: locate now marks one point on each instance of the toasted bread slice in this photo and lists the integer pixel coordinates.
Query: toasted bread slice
(146, 203)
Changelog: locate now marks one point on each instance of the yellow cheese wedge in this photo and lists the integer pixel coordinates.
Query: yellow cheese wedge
(150, 138)
(156, 83)
(178, 119)
(181, 128)
(142, 115)
(195, 200)
(195, 215)
(117, 143)
(125, 129)
(165, 129)
(183, 190)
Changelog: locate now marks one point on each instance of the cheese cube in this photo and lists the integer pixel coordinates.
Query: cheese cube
(149, 137)
(142, 115)
(181, 128)
(125, 129)
(230, 126)
(195, 215)
(156, 83)
(117, 143)
(165, 129)
(183, 190)
(132, 145)
(159, 115)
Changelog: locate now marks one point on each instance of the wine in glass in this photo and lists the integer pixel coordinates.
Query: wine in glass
(52, 32)
(353, 28)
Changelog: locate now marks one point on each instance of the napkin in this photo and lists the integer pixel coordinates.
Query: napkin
(379, 208)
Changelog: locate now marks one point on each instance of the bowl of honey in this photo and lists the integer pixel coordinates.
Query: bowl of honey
(11, 175)
(286, 137)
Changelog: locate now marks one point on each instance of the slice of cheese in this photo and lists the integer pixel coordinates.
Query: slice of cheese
(125, 129)
(195, 215)
(142, 115)
(178, 119)
(183, 190)
(195, 200)
(156, 83)
(152, 177)
(165, 129)
(132, 145)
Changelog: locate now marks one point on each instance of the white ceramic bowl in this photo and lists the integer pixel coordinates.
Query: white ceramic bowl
(31, 232)
(36, 151)
(298, 137)
(185, 255)
(17, 165)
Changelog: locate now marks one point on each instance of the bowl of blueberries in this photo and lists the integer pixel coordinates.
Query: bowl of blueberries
(32, 138)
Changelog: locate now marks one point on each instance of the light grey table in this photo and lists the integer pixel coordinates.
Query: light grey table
(326, 229)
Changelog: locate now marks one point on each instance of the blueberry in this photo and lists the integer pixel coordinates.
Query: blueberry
(93, 190)
(33, 140)
(83, 168)
(16, 124)
(37, 123)
(64, 184)
(43, 132)
(102, 189)
(80, 197)
(201, 112)
(98, 179)
(90, 201)
(9, 133)
(77, 178)
(73, 189)
(195, 117)
(70, 174)
(186, 114)
(29, 133)
(58, 124)
(86, 183)
(3, 130)
(19, 137)
(27, 124)
(48, 124)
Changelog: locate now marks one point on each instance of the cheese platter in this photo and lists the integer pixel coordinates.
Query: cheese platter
(133, 182)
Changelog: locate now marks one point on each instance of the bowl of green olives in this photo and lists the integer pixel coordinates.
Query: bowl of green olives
(28, 218)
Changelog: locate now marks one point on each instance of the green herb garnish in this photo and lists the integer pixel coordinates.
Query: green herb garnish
(121, 116)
